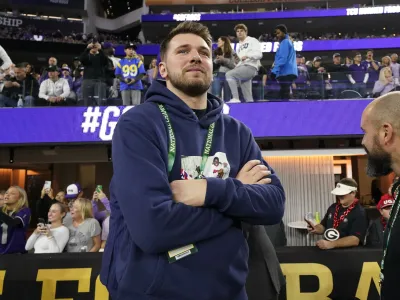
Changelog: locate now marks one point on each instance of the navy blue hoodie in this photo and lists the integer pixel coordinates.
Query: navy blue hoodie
(146, 223)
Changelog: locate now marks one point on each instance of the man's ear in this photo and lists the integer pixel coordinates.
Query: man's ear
(163, 70)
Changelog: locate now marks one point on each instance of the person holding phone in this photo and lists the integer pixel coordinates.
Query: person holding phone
(345, 222)
(45, 201)
(15, 216)
(50, 238)
(101, 204)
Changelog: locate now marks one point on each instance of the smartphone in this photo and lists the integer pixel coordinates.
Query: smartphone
(309, 218)
(41, 222)
(99, 188)
(47, 185)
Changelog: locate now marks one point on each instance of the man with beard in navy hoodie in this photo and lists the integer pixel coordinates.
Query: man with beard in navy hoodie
(185, 177)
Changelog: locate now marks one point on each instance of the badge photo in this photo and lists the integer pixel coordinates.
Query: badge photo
(331, 234)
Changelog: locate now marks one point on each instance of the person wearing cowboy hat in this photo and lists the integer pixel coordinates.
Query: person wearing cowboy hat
(345, 222)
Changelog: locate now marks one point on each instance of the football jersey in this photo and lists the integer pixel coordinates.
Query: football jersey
(130, 68)
(13, 239)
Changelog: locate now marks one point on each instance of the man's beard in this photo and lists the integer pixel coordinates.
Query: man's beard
(379, 162)
(192, 88)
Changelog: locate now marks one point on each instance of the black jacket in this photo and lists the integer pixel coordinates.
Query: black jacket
(28, 87)
(95, 65)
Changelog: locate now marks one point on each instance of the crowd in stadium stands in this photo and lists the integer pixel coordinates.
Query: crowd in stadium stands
(97, 77)
(66, 221)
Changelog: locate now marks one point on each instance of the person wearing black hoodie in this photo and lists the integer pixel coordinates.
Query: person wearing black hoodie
(185, 178)
(95, 62)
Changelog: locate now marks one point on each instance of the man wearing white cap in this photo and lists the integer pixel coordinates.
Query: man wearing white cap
(345, 222)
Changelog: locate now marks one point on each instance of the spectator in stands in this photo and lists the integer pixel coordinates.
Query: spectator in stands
(73, 192)
(285, 67)
(130, 72)
(378, 226)
(50, 238)
(386, 62)
(224, 61)
(77, 66)
(338, 73)
(300, 85)
(2, 194)
(14, 219)
(55, 91)
(5, 60)
(101, 206)
(52, 63)
(152, 71)
(345, 220)
(249, 53)
(84, 232)
(349, 61)
(65, 70)
(44, 203)
(93, 85)
(395, 68)
(385, 84)
(77, 85)
(372, 67)
(358, 76)
(104, 232)
(21, 90)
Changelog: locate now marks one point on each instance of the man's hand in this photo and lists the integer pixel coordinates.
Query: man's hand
(8, 84)
(16, 84)
(253, 172)
(244, 58)
(189, 192)
(325, 245)
(132, 81)
(52, 99)
(90, 46)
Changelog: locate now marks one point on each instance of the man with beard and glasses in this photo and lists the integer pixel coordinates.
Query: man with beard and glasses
(172, 238)
(380, 123)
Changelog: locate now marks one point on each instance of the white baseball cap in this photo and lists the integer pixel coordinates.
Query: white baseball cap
(73, 191)
(343, 189)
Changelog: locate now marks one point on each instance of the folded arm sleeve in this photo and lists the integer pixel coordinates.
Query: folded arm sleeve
(251, 203)
(140, 183)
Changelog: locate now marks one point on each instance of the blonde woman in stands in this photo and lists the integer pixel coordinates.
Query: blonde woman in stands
(50, 238)
(84, 232)
(385, 83)
(15, 216)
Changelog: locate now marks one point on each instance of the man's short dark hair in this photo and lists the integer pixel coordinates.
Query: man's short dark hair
(349, 182)
(282, 27)
(241, 26)
(185, 28)
(370, 50)
(356, 54)
(22, 65)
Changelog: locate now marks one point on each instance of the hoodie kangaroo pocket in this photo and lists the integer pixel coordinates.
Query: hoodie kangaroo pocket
(158, 276)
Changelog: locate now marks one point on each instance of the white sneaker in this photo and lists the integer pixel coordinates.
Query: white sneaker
(233, 100)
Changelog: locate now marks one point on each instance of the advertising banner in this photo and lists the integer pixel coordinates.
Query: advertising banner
(310, 274)
(265, 119)
(73, 4)
(290, 14)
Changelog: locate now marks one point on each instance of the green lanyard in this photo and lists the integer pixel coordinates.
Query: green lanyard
(172, 143)
(392, 219)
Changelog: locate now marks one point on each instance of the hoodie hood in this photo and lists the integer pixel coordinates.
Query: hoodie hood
(159, 93)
